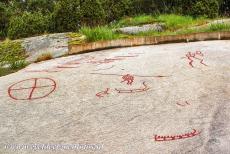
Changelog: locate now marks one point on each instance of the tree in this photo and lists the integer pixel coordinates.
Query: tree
(92, 13)
(225, 7)
(116, 9)
(209, 8)
(44, 6)
(66, 16)
(4, 20)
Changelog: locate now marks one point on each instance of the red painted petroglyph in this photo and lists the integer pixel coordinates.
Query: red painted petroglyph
(193, 56)
(104, 61)
(61, 47)
(110, 60)
(67, 66)
(126, 56)
(176, 137)
(142, 89)
(44, 70)
(34, 88)
(103, 93)
(102, 69)
(183, 103)
(129, 78)
(82, 60)
(136, 53)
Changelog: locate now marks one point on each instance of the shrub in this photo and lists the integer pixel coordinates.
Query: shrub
(92, 13)
(44, 6)
(12, 54)
(4, 20)
(44, 57)
(208, 8)
(66, 16)
(28, 24)
(137, 20)
(144, 6)
(116, 9)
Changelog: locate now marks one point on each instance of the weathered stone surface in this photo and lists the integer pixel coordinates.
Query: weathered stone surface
(55, 44)
(87, 106)
(137, 29)
(221, 21)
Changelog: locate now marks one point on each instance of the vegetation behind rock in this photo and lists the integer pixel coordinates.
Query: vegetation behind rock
(23, 18)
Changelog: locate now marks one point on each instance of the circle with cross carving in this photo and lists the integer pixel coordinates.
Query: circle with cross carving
(30, 89)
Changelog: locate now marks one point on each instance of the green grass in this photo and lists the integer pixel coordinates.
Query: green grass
(174, 22)
(100, 34)
(12, 53)
(219, 27)
(211, 28)
(6, 71)
(137, 20)
(12, 57)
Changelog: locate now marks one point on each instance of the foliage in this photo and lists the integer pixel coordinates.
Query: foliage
(219, 27)
(209, 8)
(44, 6)
(66, 16)
(225, 7)
(98, 33)
(92, 13)
(6, 71)
(144, 6)
(76, 38)
(4, 20)
(28, 24)
(174, 22)
(12, 54)
(137, 20)
(71, 15)
(115, 9)
(210, 28)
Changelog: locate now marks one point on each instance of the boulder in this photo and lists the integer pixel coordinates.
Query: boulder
(54, 44)
(159, 27)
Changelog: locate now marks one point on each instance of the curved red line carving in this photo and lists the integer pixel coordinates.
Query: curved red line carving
(103, 93)
(104, 68)
(185, 103)
(64, 66)
(145, 88)
(176, 137)
(126, 56)
(45, 70)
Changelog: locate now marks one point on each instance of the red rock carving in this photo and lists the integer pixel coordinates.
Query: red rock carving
(103, 93)
(183, 104)
(130, 78)
(34, 87)
(193, 56)
(142, 89)
(176, 137)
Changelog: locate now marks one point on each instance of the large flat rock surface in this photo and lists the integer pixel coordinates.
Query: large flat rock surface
(163, 99)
